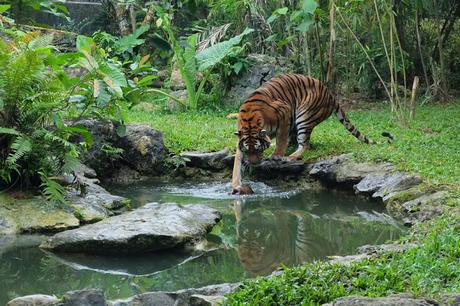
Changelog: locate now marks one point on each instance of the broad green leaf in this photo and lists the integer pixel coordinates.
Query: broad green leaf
(190, 64)
(4, 8)
(85, 44)
(81, 130)
(127, 43)
(216, 53)
(305, 25)
(121, 130)
(309, 6)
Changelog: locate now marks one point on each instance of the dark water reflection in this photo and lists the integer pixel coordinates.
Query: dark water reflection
(257, 235)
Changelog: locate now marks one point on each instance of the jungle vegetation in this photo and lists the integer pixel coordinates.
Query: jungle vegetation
(400, 59)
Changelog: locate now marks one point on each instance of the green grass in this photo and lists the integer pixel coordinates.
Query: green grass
(429, 145)
(427, 270)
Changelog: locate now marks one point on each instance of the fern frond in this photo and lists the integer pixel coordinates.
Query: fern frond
(70, 163)
(9, 131)
(19, 148)
(42, 41)
(52, 190)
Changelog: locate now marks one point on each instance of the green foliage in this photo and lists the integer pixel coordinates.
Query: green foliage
(36, 95)
(189, 61)
(429, 269)
(53, 7)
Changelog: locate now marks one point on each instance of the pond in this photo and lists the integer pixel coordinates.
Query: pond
(258, 233)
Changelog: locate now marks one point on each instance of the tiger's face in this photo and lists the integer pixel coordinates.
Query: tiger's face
(252, 138)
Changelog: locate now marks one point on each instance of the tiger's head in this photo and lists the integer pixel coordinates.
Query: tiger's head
(253, 140)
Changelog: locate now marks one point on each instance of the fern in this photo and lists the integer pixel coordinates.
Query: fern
(19, 148)
(71, 163)
(52, 190)
(9, 131)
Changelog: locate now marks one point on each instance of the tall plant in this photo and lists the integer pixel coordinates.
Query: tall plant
(189, 61)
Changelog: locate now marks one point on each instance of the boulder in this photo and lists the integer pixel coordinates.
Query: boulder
(34, 300)
(150, 228)
(142, 148)
(396, 300)
(210, 161)
(269, 169)
(34, 215)
(382, 248)
(414, 205)
(384, 184)
(209, 295)
(263, 68)
(87, 297)
(342, 170)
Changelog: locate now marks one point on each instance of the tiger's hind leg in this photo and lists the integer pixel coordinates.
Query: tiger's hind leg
(303, 141)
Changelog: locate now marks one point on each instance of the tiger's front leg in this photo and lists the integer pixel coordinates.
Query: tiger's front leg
(282, 141)
(237, 186)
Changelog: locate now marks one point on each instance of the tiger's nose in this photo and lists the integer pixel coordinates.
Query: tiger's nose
(253, 159)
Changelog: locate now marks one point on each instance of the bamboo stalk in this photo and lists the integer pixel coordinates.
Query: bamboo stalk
(412, 97)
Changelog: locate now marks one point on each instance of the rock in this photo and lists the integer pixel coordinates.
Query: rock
(173, 105)
(175, 81)
(91, 202)
(348, 259)
(87, 297)
(382, 248)
(342, 170)
(380, 301)
(150, 228)
(263, 68)
(204, 300)
(208, 295)
(143, 149)
(269, 169)
(33, 215)
(414, 205)
(210, 161)
(142, 146)
(381, 185)
(34, 300)
(451, 299)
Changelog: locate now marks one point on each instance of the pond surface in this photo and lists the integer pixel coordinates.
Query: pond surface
(258, 233)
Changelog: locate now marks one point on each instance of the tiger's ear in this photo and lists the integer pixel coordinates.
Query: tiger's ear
(238, 133)
(263, 133)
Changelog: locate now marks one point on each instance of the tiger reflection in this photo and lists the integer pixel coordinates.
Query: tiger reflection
(268, 239)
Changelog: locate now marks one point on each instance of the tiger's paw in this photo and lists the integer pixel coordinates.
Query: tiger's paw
(242, 190)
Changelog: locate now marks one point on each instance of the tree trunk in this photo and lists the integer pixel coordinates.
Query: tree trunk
(419, 47)
(412, 98)
(149, 16)
(332, 39)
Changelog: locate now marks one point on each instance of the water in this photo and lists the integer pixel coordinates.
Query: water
(258, 233)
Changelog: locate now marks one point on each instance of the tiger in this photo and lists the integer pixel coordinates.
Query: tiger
(286, 105)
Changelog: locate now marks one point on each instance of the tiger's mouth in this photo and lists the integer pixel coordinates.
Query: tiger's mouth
(254, 158)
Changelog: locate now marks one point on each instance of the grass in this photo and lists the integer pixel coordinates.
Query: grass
(429, 145)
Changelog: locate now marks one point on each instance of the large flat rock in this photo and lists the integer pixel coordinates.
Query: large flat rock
(150, 228)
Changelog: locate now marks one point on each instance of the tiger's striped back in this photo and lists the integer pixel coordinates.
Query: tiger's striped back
(301, 100)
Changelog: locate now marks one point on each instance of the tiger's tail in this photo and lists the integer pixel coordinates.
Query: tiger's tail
(339, 112)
